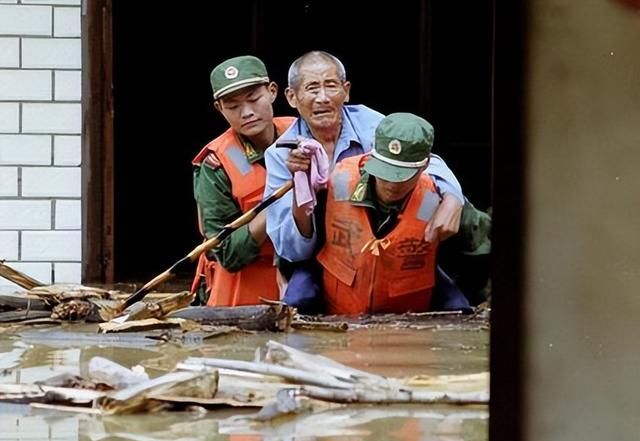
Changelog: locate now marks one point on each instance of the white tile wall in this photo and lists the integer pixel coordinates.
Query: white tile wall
(8, 181)
(25, 149)
(51, 118)
(51, 2)
(68, 215)
(56, 53)
(25, 215)
(67, 150)
(66, 22)
(67, 272)
(9, 52)
(40, 139)
(40, 271)
(51, 182)
(25, 20)
(68, 85)
(51, 245)
(9, 245)
(9, 117)
(25, 85)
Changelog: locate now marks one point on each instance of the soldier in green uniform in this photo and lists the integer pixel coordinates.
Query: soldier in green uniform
(229, 178)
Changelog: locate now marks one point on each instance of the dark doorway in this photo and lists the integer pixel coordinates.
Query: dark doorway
(431, 58)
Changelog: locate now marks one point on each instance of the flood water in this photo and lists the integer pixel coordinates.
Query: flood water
(32, 354)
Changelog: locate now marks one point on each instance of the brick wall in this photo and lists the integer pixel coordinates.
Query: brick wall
(40, 148)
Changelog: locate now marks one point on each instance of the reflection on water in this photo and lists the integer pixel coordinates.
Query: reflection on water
(406, 423)
(392, 352)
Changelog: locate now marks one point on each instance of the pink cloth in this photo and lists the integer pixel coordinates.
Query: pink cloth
(306, 184)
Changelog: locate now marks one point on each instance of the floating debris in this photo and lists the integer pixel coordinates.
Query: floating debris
(145, 325)
(273, 317)
(282, 381)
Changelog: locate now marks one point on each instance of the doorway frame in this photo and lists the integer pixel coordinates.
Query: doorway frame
(97, 142)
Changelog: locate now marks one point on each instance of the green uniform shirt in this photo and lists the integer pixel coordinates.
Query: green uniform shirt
(212, 191)
(475, 225)
(382, 217)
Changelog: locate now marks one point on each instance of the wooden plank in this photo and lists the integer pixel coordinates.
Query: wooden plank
(22, 301)
(19, 316)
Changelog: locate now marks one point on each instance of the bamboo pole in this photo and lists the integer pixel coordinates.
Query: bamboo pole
(290, 374)
(398, 396)
(284, 355)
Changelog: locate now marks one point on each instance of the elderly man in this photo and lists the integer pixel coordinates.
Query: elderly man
(318, 89)
(375, 258)
(229, 179)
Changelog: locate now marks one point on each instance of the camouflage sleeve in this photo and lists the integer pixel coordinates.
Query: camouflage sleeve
(212, 190)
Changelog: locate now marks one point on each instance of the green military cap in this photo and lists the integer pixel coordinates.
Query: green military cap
(402, 146)
(237, 73)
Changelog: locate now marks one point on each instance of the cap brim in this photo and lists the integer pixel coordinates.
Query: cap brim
(388, 172)
(238, 86)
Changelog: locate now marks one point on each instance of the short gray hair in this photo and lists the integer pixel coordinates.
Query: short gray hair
(293, 76)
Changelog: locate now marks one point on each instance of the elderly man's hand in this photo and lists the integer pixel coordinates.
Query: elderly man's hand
(445, 221)
(300, 159)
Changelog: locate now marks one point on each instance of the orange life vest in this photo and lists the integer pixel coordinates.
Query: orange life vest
(257, 279)
(363, 274)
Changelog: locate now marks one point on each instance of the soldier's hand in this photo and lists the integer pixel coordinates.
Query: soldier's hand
(445, 221)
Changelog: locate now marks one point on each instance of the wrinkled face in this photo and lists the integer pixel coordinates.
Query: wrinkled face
(249, 111)
(389, 192)
(320, 95)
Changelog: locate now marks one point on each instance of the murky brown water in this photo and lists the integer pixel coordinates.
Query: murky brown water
(393, 352)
